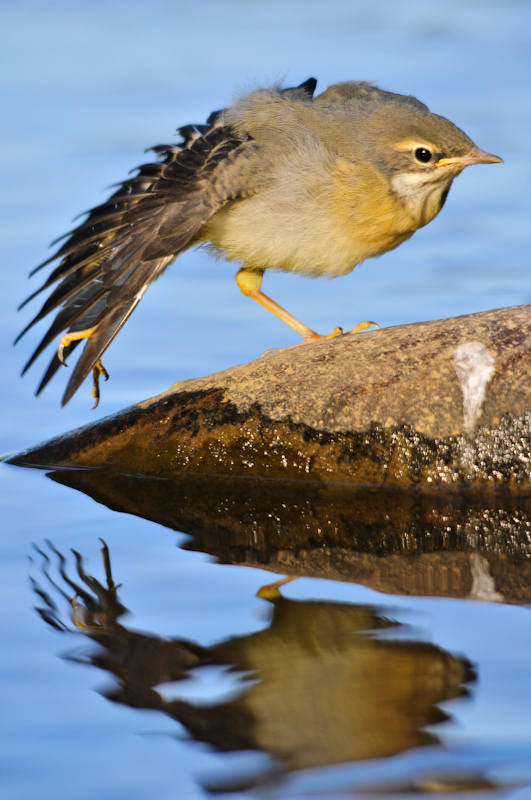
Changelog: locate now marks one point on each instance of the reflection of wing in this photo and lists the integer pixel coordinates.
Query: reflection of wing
(126, 243)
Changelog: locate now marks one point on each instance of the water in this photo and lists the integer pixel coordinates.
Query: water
(85, 89)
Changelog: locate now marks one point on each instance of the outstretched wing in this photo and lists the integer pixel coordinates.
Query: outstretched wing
(110, 259)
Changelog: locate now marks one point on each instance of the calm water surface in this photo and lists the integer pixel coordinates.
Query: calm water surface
(184, 682)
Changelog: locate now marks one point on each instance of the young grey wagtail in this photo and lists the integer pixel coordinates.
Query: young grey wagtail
(279, 180)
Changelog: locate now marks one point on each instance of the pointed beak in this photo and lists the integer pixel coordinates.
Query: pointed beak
(474, 156)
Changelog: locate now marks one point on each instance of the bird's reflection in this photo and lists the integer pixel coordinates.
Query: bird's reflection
(323, 683)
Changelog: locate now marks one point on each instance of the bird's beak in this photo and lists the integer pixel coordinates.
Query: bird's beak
(474, 156)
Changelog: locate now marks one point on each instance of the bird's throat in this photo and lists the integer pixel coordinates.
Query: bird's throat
(422, 193)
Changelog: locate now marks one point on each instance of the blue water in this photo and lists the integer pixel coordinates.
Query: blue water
(85, 88)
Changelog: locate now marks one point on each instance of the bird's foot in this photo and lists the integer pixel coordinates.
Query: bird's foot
(271, 590)
(98, 370)
(316, 337)
(362, 326)
(68, 338)
(311, 336)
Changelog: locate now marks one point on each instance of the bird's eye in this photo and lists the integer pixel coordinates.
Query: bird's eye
(423, 155)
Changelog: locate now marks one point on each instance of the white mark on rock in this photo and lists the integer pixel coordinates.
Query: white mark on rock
(483, 586)
(475, 367)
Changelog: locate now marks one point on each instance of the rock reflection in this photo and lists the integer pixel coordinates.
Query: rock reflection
(324, 683)
(400, 541)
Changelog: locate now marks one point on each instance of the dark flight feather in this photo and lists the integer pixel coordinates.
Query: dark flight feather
(108, 261)
(123, 245)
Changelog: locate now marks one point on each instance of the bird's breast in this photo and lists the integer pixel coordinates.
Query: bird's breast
(321, 221)
(367, 211)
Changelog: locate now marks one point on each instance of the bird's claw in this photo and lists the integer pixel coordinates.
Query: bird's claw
(68, 338)
(336, 332)
(362, 326)
(317, 337)
(61, 352)
(97, 370)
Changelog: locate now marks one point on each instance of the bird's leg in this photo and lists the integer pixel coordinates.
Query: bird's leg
(98, 370)
(249, 282)
(271, 590)
(68, 338)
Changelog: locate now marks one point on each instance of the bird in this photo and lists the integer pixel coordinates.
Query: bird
(281, 179)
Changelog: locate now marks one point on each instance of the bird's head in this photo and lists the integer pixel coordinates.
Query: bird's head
(419, 153)
(422, 156)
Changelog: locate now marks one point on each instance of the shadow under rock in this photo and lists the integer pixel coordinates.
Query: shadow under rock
(393, 540)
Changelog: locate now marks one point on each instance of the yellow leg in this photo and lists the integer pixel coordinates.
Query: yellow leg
(68, 338)
(271, 591)
(249, 283)
(98, 370)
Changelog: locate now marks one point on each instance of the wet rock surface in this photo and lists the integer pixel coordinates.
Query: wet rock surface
(435, 403)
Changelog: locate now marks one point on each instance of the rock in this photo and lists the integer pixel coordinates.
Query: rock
(430, 404)
(392, 539)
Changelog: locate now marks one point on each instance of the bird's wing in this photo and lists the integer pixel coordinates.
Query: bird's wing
(123, 245)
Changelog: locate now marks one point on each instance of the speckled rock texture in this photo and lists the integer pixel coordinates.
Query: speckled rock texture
(436, 403)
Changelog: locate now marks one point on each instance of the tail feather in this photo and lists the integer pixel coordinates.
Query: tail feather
(67, 318)
(67, 289)
(123, 245)
(55, 364)
(96, 257)
(96, 346)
